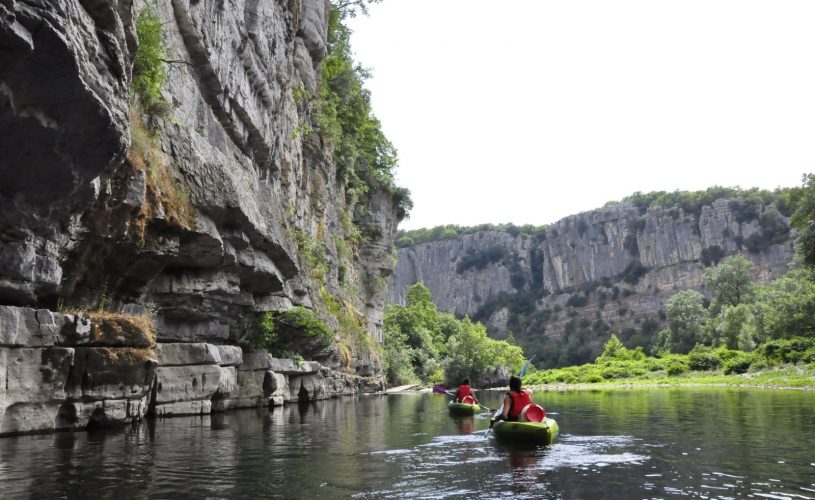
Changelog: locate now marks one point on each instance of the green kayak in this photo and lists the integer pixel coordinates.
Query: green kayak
(527, 432)
(462, 408)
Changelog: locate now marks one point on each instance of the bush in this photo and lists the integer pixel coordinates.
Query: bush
(702, 359)
(149, 70)
(738, 364)
(480, 260)
(577, 301)
(634, 272)
(712, 255)
(292, 322)
(623, 369)
(787, 350)
(675, 366)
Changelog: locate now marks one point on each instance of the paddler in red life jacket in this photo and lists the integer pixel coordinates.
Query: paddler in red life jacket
(516, 400)
(465, 394)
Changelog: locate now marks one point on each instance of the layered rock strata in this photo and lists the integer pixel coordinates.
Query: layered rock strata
(203, 212)
(73, 371)
(606, 270)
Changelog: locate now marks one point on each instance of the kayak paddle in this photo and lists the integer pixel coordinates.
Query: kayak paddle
(523, 370)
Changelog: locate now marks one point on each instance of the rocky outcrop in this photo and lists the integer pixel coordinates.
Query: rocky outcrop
(68, 371)
(591, 273)
(202, 213)
(72, 371)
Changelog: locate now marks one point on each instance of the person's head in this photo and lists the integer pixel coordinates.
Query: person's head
(515, 384)
(466, 381)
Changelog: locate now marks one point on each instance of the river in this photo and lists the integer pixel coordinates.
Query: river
(641, 443)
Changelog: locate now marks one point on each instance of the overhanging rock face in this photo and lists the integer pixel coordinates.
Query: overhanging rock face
(197, 212)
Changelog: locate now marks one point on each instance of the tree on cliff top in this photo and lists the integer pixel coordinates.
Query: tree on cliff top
(351, 8)
(365, 158)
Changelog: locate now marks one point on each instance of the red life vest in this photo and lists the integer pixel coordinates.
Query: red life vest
(519, 402)
(463, 392)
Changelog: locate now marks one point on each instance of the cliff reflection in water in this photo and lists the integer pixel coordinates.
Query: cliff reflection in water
(645, 442)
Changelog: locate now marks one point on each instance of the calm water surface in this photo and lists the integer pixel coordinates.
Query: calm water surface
(646, 443)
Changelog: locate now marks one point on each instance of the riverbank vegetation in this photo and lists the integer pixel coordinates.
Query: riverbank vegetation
(741, 333)
(423, 344)
(782, 363)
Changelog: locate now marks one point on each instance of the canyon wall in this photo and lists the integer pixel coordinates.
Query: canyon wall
(581, 278)
(189, 218)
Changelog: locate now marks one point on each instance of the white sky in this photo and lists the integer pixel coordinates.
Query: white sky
(526, 111)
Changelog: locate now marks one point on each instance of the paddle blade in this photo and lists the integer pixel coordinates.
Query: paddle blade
(523, 370)
(439, 389)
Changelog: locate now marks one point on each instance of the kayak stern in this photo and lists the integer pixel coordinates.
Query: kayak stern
(540, 433)
(462, 409)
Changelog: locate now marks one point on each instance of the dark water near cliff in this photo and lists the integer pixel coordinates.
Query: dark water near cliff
(704, 443)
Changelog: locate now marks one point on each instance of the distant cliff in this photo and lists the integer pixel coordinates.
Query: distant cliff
(560, 290)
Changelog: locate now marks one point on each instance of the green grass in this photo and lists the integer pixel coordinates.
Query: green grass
(779, 363)
(786, 376)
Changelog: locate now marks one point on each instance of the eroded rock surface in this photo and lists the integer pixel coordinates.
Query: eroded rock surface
(591, 273)
(198, 213)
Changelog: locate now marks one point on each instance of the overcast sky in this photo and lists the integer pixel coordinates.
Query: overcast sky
(526, 111)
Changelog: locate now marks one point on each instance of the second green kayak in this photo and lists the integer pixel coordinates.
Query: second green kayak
(527, 432)
(462, 408)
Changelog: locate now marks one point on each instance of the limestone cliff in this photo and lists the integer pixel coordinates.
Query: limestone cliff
(200, 216)
(610, 269)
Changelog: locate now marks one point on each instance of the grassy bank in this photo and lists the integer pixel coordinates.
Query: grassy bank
(784, 377)
(787, 363)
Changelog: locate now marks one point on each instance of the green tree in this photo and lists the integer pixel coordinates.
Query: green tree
(615, 350)
(738, 327)
(365, 158)
(786, 307)
(730, 282)
(419, 295)
(421, 343)
(351, 8)
(686, 316)
(804, 220)
(149, 68)
(473, 353)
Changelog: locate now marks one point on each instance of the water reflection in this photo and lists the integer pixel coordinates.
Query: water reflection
(646, 443)
(466, 425)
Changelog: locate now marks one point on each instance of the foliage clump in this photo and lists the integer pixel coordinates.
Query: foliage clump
(149, 67)
(365, 158)
(418, 236)
(423, 344)
(481, 259)
(298, 319)
(746, 203)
